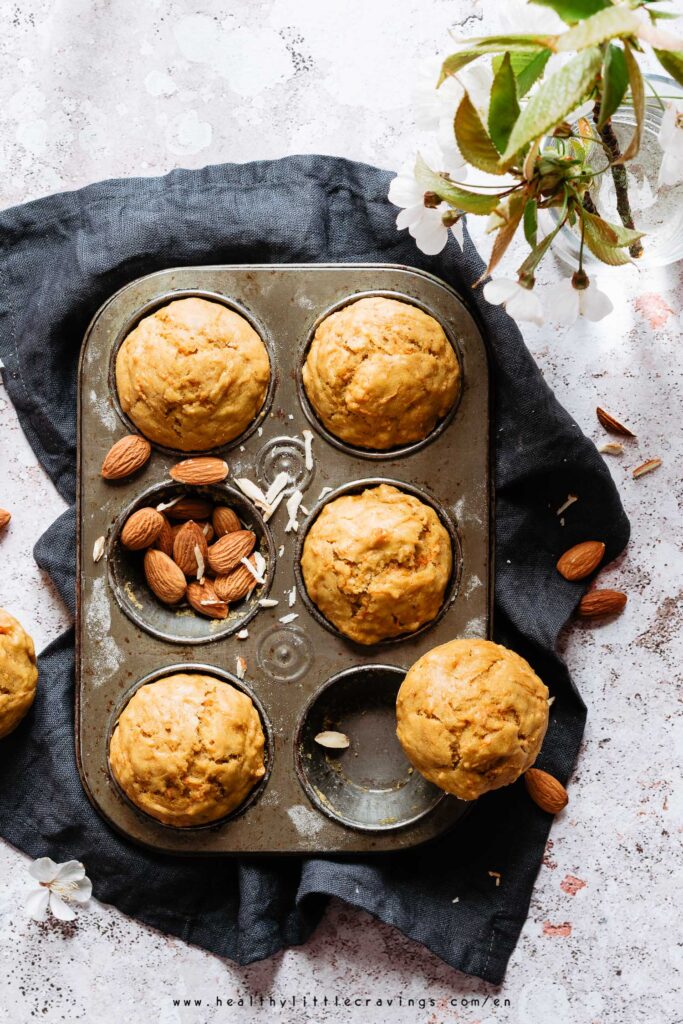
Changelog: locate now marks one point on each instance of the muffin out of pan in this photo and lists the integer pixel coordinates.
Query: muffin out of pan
(381, 373)
(471, 716)
(377, 564)
(188, 749)
(193, 375)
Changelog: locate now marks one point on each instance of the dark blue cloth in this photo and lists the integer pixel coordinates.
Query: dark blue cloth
(61, 257)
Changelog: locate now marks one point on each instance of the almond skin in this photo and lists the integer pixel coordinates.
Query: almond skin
(236, 584)
(4, 518)
(198, 593)
(597, 603)
(581, 560)
(127, 456)
(614, 426)
(163, 576)
(545, 790)
(225, 521)
(226, 553)
(165, 539)
(142, 529)
(190, 507)
(189, 537)
(203, 470)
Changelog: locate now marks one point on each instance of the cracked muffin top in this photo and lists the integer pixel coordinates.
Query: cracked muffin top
(18, 672)
(187, 749)
(193, 375)
(381, 373)
(377, 564)
(471, 716)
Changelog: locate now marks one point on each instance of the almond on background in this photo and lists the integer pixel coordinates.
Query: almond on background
(164, 577)
(545, 790)
(225, 521)
(235, 585)
(188, 539)
(227, 552)
(202, 597)
(165, 539)
(5, 517)
(190, 507)
(141, 529)
(202, 470)
(597, 603)
(581, 560)
(126, 456)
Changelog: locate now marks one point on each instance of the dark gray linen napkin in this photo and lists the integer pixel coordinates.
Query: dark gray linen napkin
(60, 258)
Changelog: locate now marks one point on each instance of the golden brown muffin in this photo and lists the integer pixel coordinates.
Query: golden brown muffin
(187, 749)
(471, 716)
(377, 564)
(193, 375)
(381, 373)
(18, 673)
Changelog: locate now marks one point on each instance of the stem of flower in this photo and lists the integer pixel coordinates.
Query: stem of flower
(583, 231)
(610, 144)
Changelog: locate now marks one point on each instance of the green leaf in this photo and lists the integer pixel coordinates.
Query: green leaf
(530, 71)
(606, 24)
(494, 44)
(538, 251)
(531, 222)
(456, 62)
(459, 198)
(473, 139)
(512, 214)
(572, 11)
(672, 61)
(607, 253)
(503, 105)
(615, 82)
(638, 98)
(561, 94)
(614, 235)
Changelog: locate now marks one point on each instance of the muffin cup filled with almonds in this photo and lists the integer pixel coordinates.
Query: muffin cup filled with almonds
(190, 563)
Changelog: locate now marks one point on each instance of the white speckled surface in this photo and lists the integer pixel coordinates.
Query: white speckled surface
(92, 90)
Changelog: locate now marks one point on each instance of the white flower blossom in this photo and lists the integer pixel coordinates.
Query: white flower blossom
(60, 885)
(671, 140)
(424, 223)
(520, 302)
(569, 302)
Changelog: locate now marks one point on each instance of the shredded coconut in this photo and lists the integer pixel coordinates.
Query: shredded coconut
(268, 602)
(285, 619)
(240, 666)
(254, 572)
(292, 506)
(278, 485)
(308, 448)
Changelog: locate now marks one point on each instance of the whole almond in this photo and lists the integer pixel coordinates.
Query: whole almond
(597, 603)
(190, 507)
(164, 577)
(226, 553)
(236, 584)
(165, 539)
(581, 560)
(204, 599)
(225, 521)
(188, 539)
(545, 790)
(203, 470)
(142, 529)
(127, 456)
(4, 518)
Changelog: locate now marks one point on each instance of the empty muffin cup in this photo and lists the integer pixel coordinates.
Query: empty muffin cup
(192, 372)
(369, 785)
(190, 746)
(379, 376)
(179, 623)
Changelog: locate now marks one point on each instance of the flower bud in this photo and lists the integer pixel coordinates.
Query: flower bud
(580, 280)
(431, 200)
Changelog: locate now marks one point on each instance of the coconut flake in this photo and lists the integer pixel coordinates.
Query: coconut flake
(278, 485)
(98, 549)
(291, 597)
(333, 740)
(325, 490)
(571, 498)
(240, 666)
(270, 509)
(286, 619)
(251, 490)
(268, 602)
(169, 504)
(201, 567)
(292, 506)
(254, 572)
(243, 634)
(260, 563)
(281, 551)
(308, 448)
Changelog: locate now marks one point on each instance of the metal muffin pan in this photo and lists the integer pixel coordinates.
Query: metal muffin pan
(302, 673)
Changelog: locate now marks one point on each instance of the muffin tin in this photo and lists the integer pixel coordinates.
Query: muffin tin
(303, 675)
